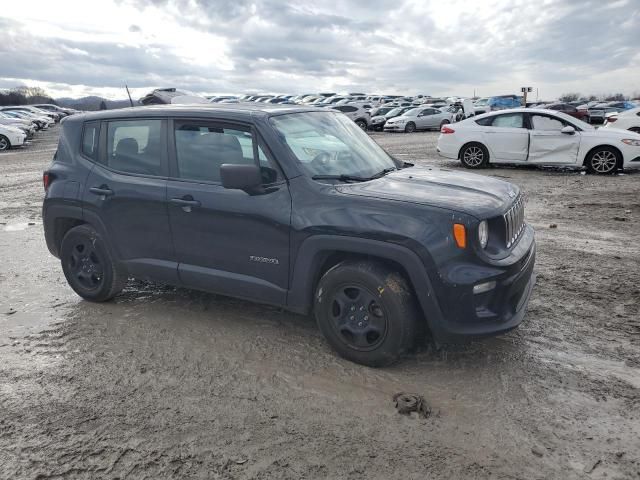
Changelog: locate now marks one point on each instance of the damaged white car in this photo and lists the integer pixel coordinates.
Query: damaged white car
(538, 137)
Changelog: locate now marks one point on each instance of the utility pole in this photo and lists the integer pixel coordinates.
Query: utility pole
(525, 90)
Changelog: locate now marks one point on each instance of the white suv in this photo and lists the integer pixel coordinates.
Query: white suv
(357, 113)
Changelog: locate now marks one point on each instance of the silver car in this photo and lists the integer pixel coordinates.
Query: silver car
(419, 118)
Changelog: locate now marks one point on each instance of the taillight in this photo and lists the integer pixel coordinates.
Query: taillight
(446, 130)
(46, 180)
(612, 119)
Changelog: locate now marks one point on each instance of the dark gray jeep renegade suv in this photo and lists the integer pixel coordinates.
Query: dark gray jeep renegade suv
(289, 206)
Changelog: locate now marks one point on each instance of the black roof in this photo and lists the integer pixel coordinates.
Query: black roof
(231, 110)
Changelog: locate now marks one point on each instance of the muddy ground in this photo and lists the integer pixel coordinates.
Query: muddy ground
(171, 383)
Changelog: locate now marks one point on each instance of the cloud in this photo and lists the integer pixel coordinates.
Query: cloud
(429, 47)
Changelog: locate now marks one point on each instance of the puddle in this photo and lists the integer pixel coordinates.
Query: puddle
(16, 227)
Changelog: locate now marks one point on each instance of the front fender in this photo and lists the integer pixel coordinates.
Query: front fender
(314, 250)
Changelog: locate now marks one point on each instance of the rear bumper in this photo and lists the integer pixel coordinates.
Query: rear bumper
(467, 315)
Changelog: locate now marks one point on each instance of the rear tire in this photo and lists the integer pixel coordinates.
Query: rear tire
(602, 161)
(5, 144)
(367, 312)
(362, 124)
(410, 127)
(89, 266)
(474, 155)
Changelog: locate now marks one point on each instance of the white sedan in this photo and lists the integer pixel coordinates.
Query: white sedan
(11, 137)
(627, 120)
(528, 136)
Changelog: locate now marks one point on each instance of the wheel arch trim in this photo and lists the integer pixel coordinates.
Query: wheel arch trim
(305, 272)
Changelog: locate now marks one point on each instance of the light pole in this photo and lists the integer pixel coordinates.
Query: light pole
(525, 90)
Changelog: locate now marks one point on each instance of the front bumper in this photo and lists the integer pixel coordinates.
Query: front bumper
(466, 314)
(394, 127)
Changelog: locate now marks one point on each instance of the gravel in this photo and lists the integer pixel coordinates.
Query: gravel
(165, 382)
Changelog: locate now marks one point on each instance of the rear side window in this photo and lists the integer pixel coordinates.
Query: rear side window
(512, 120)
(202, 148)
(134, 146)
(90, 135)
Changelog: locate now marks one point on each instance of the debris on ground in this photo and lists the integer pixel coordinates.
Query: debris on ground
(411, 402)
(620, 219)
(553, 225)
(590, 468)
(538, 452)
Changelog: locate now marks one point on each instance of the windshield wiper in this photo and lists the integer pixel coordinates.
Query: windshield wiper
(342, 178)
(383, 173)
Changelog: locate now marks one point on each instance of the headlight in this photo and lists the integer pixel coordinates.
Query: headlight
(400, 120)
(631, 141)
(483, 233)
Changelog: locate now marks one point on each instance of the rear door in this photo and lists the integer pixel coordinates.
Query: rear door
(548, 145)
(507, 137)
(227, 241)
(126, 192)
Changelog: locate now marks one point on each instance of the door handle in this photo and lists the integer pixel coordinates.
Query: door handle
(185, 203)
(102, 190)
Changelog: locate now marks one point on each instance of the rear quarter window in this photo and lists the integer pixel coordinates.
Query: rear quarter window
(90, 135)
(485, 122)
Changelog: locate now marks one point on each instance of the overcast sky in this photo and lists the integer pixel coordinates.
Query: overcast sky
(435, 47)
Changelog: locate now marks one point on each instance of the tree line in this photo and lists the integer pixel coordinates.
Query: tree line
(610, 97)
(25, 96)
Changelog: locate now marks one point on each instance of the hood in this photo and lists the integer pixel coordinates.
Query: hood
(611, 133)
(477, 195)
(14, 122)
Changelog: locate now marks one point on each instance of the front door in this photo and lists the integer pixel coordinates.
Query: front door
(227, 241)
(427, 118)
(126, 192)
(548, 144)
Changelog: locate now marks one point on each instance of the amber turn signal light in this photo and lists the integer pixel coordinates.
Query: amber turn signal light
(460, 234)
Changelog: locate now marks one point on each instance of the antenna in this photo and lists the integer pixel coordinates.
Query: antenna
(129, 94)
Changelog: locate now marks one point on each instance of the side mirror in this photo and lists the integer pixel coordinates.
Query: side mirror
(241, 177)
(568, 130)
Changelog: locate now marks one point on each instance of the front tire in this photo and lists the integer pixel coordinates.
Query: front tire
(602, 161)
(474, 155)
(410, 127)
(5, 144)
(89, 266)
(366, 312)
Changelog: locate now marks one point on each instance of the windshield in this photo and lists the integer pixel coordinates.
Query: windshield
(329, 143)
(383, 110)
(482, 101)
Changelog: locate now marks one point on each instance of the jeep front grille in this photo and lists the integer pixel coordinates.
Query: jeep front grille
(514, 221)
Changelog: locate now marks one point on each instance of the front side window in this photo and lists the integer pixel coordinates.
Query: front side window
(201, 148)
(135, 146)
(326, 143)
(511, 120)
(90, 139)
(541, 122)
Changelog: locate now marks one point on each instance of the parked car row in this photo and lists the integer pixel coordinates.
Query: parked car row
(19, 124)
